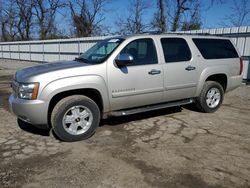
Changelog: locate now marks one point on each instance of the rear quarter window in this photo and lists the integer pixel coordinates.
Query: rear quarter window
(215, 48)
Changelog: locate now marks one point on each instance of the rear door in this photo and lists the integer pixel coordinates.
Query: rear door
(180, 69)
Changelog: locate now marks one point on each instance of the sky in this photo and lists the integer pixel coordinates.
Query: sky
(211, 17)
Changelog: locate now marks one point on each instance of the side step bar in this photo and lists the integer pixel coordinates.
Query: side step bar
(150, 108)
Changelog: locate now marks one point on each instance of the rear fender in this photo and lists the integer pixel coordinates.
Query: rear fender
(209, 71)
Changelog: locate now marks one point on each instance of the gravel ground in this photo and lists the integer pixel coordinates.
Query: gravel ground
(176, 147)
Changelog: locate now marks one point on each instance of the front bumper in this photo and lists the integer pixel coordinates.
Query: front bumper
(31, 111)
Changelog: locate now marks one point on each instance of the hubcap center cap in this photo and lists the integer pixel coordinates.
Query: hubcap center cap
(77, 120)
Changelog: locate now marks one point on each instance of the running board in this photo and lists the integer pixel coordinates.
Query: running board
(150, 108)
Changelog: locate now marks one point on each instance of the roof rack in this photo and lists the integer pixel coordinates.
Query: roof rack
(151, 32)
(175, 33)
(182, 33)
(191, 33)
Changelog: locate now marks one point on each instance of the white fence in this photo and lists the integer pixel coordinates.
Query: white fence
(47, 50)
(68, 49)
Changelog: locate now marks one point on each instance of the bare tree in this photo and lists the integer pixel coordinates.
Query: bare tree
(181, 7)
(193, 21)
(183, 14)
(24, 22)
(1, 18)
(240, 13)
(212, 2)
(8, 21)
(134, 23)
(159, 19)
(45, 12)
(87, 16)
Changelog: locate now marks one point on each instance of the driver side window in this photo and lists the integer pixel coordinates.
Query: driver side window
(142, 50)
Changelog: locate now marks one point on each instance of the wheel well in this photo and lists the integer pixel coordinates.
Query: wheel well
(91, 93)
(220, 78)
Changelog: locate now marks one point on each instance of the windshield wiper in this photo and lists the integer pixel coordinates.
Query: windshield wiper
(81, 59)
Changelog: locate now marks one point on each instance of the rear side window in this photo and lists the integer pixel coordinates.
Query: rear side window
(215, 48)
(175, 49)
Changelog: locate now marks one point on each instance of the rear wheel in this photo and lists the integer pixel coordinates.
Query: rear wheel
(211, 97)
(75, 118)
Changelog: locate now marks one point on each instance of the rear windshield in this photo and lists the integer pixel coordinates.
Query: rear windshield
(215, 48)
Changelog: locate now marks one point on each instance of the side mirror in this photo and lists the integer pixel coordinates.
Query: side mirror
(124, 59)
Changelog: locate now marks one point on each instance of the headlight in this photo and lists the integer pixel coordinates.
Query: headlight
(28, 90)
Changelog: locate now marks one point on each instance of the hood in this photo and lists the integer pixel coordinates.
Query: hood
(29, 72)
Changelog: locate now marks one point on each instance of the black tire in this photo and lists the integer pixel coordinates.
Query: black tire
(201, 100)
(63, 106)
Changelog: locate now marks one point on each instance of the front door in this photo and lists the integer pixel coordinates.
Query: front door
(141, 82)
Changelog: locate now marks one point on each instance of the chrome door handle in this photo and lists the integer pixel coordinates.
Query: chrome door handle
(189, 68)
(154, 71)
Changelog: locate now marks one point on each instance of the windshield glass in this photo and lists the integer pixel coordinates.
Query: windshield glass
(100, 51)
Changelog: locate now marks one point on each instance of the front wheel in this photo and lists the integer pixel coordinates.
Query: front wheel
(210, 97)
(75, 118)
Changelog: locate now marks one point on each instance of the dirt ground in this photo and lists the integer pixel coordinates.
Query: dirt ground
(176, 147)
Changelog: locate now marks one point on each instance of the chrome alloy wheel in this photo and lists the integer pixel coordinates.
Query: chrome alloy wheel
(213, 97)
(77, 120)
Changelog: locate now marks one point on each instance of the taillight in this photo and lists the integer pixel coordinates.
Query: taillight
(241, 65)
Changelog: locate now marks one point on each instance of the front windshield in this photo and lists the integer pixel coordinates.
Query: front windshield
(100, 51)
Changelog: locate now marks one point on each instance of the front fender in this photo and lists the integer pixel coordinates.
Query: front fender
(76, 82)
(209, 71)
